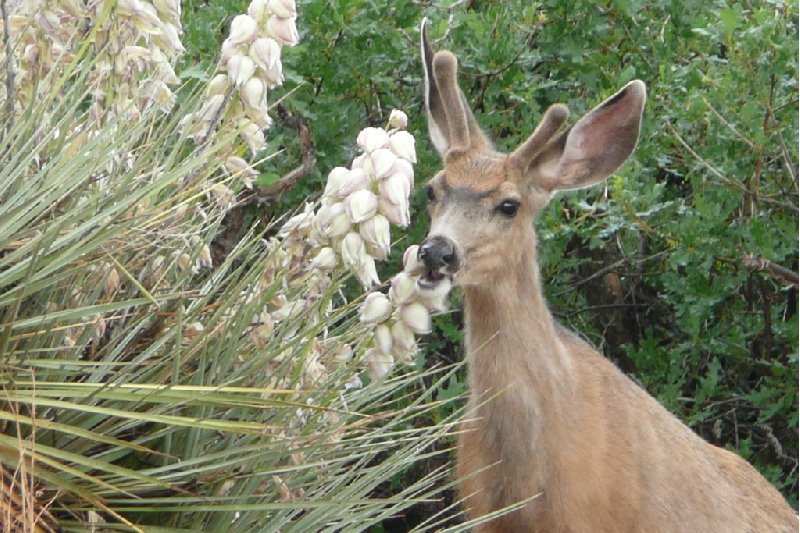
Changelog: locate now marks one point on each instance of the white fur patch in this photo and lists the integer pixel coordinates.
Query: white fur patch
(447, 225)
(437, 136)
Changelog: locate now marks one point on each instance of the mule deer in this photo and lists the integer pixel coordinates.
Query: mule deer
(562, 428)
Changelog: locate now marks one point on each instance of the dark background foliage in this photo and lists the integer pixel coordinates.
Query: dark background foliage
(649, 267)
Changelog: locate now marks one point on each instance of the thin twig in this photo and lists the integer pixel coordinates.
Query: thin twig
(709, 166)
(787, 158)
(731, 183)
(603, 271)
(450, 16)
(730, 126)
(759, 264)
(268, 193)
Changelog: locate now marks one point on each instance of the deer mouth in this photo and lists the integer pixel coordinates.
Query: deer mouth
(430, 278)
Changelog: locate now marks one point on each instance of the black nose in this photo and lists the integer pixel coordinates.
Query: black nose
(438, 252)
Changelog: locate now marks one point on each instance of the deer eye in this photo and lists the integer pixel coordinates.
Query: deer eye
(509, 208)
(430, 193)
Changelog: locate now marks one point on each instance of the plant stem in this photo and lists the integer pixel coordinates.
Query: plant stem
(9, 71)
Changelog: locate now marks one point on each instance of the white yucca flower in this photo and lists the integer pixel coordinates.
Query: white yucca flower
(351, 228)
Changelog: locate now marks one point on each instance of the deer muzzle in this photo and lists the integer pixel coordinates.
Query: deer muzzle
(438, 254)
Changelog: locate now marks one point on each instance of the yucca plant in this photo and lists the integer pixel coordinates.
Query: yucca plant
(145, 385)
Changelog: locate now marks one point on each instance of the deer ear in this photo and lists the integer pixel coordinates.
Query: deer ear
(451, 124)
(437, 122)
(595, 146)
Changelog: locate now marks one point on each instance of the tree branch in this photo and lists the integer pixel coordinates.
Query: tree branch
(269, 193)
(759, 264)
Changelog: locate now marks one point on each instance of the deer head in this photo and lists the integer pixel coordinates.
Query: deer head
(482, 202)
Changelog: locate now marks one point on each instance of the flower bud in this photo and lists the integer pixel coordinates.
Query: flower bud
(243, 29)
(262, 333)
(291, 309)
(282, 8)
(228, 51)
(404, 168)
(254, 137)
(411, 262)
(382, 162)
(402, 337)
(336, 179)
(299, 223)
(274, 75)
(158, 93)
(398, 119)
(403, 289)
(168, 8)
(204, 258)
(397, 214)
(378, 364)
(372, 138)
(260, 117)
(258, 10)
(377, 235)
(366, 272)
(169, 40)
(402, 144)
(265, 52)
(283, 30)
(137, 55)
(325, 259)
(395, 189)
(217, 85)
(212, 107)
(146, 19)
(183, 260)
(73, 7)
(359, 161)
(357, 180)
(375, 309)
(333, 221)
(31, 54)
(352, 250)
(238, 166)
(254, 93)
(222, 194)
(361, 205)
(241, 69)
(383, 338)
(343, 353)
(48, 21)
(417, 317)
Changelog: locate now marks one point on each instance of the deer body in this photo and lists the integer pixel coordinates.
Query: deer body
(550, 421)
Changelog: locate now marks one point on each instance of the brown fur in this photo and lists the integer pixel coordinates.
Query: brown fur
(549, 418)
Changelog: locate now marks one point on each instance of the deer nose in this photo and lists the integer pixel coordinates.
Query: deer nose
(438, 252)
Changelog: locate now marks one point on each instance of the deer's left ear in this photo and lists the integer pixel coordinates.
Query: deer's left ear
(451, 124)
(595, 146)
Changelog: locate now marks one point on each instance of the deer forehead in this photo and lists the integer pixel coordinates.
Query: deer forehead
(485, 177)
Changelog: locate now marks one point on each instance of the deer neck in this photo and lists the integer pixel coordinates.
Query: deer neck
(516, 354)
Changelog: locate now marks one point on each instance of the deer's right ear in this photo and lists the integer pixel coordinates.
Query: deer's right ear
(594, 147)
(451, 124)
